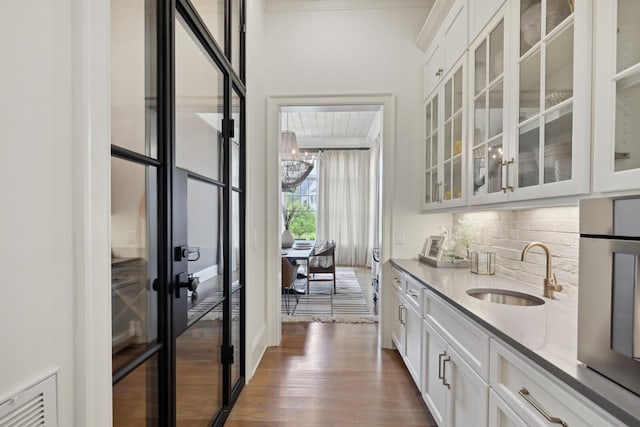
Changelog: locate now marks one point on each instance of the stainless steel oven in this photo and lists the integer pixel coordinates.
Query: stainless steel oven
(609, 291)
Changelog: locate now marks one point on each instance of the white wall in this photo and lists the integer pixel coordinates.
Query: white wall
(358, 52)
(256, 303)
(37, 308)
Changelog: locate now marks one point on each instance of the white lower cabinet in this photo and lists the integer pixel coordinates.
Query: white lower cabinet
(397, 324)
(501, 415)
(454, 393)
(413, 341)
(434, 391)
(468, 377)
(538, 399)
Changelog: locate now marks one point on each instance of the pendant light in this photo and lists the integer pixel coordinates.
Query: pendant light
(294, 169)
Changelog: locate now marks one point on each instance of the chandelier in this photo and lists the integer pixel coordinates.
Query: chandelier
(294, 168)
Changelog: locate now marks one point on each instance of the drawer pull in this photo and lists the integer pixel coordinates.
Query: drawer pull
(444, 371)
(527, 396)
(412, 293)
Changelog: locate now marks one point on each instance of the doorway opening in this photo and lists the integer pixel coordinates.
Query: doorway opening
(347, 143)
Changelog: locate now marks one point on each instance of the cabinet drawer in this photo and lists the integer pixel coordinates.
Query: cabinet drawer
(471, 342)
(413, 293)
(397, 279)
(523, 387)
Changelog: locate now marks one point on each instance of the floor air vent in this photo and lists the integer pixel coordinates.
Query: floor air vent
(33, 407)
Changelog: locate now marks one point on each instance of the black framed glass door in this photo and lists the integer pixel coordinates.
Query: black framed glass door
(177, 212)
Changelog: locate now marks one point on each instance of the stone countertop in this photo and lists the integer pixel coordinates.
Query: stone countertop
(546, 334)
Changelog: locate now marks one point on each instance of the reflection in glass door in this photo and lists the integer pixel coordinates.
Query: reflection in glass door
(199, 300)
(135, 306)
(177, 212)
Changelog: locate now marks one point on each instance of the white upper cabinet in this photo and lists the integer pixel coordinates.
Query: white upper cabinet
(617, 96)
(488, 103)
(550, 118)
(480, 13)
(444, 145)
(444, 37)
(526, 116)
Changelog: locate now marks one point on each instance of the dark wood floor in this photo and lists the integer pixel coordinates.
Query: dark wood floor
(330, 375)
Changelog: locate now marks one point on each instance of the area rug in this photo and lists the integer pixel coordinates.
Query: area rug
(347, 305)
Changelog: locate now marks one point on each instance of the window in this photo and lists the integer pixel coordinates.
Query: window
(301, 207)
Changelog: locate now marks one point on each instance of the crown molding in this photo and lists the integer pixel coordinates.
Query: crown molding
(327, 5)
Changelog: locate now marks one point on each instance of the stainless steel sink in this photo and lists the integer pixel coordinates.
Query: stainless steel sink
(503, 296)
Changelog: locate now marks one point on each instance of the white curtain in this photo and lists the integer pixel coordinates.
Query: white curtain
(344, 208)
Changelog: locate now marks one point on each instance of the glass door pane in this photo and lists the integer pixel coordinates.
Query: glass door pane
(135, 397)
(529, 155)
(627, 127)
(559, 69)
(199, 368)
(199, 232)
(489, 115)
(133, 75)
(236, 285)
(199, 107)
(545, 135)
(134, 303)
(212, 14)
(529, 87)
(628, 34)
(627, 149)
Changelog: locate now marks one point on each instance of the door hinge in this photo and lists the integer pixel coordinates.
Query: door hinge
(231, 128)
(226, 354)
(243, 28)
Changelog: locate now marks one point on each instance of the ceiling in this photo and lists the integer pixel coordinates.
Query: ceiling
(331, 126)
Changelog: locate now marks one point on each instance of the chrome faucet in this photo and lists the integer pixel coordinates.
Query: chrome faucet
(550, 284)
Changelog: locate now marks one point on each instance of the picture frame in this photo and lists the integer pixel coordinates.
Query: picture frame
(432, 249)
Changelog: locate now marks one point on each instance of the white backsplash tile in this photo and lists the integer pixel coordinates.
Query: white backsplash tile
(507, 232)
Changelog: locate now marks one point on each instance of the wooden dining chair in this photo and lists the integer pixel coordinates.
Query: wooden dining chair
(289, 275)
(323, 263)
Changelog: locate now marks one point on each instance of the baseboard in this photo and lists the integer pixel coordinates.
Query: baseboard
(259, 346)
(207, 273)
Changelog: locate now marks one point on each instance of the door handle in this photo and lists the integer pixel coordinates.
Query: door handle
(440, 356)
(507, 180)
(188, 281)
(444, 371)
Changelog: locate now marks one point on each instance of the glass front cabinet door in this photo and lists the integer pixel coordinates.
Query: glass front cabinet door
(487, 168)
(549, 154)
(617, 96)
(444, 160)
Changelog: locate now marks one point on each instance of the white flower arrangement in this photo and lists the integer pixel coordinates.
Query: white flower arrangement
(465, 233)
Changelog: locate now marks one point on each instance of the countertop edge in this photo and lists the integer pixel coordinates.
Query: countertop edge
(606, 404)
